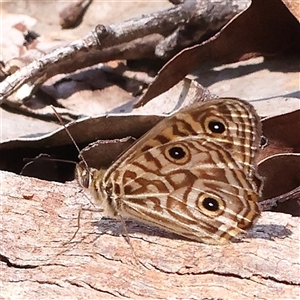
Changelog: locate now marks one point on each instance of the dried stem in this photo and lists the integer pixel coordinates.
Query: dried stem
(132, 39)
(273, 202)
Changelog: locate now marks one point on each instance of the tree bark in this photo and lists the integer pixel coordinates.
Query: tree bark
(38, 261)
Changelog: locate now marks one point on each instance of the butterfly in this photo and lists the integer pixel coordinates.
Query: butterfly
(193, 174)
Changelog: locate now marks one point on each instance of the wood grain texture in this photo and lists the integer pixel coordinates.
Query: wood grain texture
(38, 217)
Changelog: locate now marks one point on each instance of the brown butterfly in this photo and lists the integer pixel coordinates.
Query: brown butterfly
(193, 174)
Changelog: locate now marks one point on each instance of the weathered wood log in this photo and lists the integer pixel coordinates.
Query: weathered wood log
(38, 261)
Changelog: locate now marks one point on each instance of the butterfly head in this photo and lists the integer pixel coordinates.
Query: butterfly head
(83, 175)
(90, 179)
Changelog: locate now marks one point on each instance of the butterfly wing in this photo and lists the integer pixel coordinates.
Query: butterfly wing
(233, 123)
(193, 173)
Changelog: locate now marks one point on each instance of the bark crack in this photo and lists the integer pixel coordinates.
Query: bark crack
(14, 265)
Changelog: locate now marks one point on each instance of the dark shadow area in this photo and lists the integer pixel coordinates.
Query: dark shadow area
(42, 163)
(207, 76)
(269, 232)
(115, 228)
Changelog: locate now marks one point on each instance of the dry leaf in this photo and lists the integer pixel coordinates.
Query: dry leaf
(281, 173)
(266, 28)
(71, 16)
(282, 134)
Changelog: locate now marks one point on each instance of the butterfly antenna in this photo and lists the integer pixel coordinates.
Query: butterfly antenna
(30, 161)
(127, 239)
(71, 137)
(85, 165)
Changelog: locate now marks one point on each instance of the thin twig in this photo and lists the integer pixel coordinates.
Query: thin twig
(132, 39)
(273, 202)
(102, 37)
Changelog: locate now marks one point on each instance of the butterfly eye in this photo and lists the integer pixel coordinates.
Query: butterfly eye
(178, 154)
(216, 126)
(211, 205)
(82, 175)
(85, 180)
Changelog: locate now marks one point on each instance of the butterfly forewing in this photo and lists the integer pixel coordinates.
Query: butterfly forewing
(192, 174)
